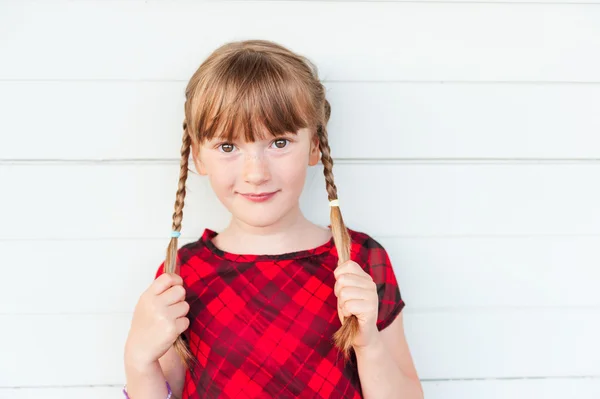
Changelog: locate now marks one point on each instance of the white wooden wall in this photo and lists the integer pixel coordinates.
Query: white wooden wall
(469, 130)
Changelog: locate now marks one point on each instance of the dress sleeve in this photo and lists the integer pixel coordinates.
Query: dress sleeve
(160, 270)
(388, 291)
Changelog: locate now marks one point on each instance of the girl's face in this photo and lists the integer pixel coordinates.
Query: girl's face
(259, 182)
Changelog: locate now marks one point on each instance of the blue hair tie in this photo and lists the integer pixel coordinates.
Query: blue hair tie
(175, 234)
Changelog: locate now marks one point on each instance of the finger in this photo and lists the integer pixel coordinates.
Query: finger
(178, 310)
(356, 307)
(352, 293)
(164, 282)
(348, 267)
(173, 295)
(351, 280)
(343, 313)
(182, 324)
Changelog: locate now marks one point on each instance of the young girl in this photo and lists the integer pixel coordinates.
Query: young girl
(276, 306)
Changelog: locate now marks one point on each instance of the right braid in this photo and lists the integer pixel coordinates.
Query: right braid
(172, 261)
(344, 337)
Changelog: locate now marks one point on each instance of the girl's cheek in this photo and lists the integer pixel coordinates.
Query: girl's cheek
(223, 164)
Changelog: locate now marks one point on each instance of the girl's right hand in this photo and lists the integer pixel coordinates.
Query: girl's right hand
(158, 319)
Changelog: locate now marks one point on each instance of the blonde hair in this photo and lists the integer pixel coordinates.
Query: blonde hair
(248, 87)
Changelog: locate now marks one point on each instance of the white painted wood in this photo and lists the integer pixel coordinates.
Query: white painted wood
(452, 1)
(549, 388)
(142, 120)
(489, 343)
(355, 41)
(62, 393)
(136, 200)
(88, 349)
(103, 276)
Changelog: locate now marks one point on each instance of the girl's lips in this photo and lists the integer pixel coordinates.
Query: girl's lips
(259, 197)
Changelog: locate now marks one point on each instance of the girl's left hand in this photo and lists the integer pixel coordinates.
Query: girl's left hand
(357, 295)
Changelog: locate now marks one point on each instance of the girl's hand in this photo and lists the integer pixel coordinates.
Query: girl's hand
(357, 295)
(158, 319)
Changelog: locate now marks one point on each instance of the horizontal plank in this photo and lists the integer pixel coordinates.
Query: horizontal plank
(62, 393)
(445, 345)
(136, 200)
(450, 1)
(142, 120)
(376, 41)
(490, 343)
(68, 350)
(480, 272)
(433, 273)
(547, 388)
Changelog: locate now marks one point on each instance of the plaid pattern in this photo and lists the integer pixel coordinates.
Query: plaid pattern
(261, 325)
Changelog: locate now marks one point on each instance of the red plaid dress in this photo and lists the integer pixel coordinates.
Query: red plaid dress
(261, 325)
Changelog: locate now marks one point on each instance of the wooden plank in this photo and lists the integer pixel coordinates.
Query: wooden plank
(445, 345)
(505, 343)
(62, 393)
(136, 200)
(452, 1)
(547, 388)
(142, 120)
(433, 273)
(395, 41)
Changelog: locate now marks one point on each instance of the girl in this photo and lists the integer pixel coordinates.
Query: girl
(276, 306)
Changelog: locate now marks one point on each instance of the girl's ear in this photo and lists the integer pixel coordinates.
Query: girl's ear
(200, 168)
(315, 155)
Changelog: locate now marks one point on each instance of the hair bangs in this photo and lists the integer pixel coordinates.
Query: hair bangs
(253, 99)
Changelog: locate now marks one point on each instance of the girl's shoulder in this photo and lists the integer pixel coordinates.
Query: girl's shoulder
(374, 259)
(364, 245)
(188, 251)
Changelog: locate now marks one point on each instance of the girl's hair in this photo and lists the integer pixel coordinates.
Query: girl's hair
(250, 87)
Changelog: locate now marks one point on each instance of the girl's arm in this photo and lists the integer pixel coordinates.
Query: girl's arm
(385, 366)
(174, 371)
(148, 381)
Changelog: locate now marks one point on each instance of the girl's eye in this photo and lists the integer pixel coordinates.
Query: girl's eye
(226, 147)
(281, 143)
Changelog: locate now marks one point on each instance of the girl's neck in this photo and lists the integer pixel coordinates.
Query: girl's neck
(294, 234)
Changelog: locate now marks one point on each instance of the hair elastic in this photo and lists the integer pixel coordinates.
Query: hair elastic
(168, 388)
(334, 202)
(175, 234)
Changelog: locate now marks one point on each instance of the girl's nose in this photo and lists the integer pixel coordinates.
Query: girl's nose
(256, 169)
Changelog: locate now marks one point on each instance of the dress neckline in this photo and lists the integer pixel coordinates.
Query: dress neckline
(209, 235)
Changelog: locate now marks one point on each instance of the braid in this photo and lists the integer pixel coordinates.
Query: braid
(171, 261)
(344, 337)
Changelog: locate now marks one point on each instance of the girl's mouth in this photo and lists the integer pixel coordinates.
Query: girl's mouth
(260, 197)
